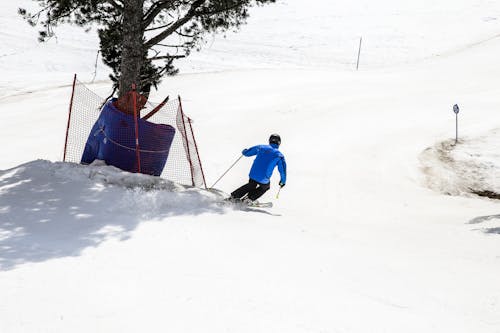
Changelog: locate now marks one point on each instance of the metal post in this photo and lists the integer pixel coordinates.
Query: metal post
(359, 52)
(69, 118)
(137, 148)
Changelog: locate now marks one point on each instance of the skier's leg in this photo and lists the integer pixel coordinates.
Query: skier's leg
(243, 190)
(257, 192)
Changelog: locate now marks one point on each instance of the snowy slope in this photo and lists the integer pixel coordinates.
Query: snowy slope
(364, 237)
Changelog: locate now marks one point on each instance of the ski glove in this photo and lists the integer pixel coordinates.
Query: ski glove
(282, 184)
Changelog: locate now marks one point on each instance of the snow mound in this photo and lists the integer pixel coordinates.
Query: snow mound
(471, 166)
(49, 210)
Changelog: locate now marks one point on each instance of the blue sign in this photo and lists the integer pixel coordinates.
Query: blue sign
(456, 109)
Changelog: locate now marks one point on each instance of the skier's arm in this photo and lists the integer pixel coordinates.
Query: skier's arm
(282, 170)
(251, 151)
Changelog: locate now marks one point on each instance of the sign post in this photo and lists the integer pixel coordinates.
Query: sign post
(456, 109)
(359, 52)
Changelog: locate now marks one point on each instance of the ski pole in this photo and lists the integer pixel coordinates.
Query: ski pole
(232, 165)
(278, 194)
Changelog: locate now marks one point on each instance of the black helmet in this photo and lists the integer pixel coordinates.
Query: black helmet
(275, 138)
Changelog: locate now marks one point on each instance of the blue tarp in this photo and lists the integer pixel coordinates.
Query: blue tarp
(112, 139)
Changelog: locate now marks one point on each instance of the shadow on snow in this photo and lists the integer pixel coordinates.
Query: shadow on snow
(486, 218)
(46, 214)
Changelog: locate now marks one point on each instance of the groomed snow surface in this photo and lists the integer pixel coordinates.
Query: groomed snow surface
(377, 230)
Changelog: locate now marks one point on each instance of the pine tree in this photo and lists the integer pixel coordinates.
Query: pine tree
(141, 39)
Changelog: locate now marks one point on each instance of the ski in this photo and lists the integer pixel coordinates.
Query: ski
(259, 204)
(249, 204)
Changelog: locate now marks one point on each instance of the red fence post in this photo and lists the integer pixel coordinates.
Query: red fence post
(69, 118)
(197, 152)
(187, 141)
(137, 149)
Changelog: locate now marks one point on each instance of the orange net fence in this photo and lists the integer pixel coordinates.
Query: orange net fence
(134, 135)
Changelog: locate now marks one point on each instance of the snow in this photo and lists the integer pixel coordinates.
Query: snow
(470, 165)
(376, 230)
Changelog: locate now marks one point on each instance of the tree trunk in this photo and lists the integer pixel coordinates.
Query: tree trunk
(132, 53)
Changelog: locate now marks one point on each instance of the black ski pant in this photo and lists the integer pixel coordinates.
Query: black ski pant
(254, 190)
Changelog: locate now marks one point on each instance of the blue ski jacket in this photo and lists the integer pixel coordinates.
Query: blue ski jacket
(268, 157)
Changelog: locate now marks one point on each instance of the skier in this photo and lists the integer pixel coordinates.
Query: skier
(268, 157)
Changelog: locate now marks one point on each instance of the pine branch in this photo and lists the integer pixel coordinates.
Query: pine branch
(156, 9)
(168, 57)
(222, 10)
(116, 4)
(160, 27)
(173, 46)
(33, 18)
(176, 25)
(186, 35)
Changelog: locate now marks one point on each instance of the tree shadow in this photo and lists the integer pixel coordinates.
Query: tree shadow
(48, 211)
(486, 218)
